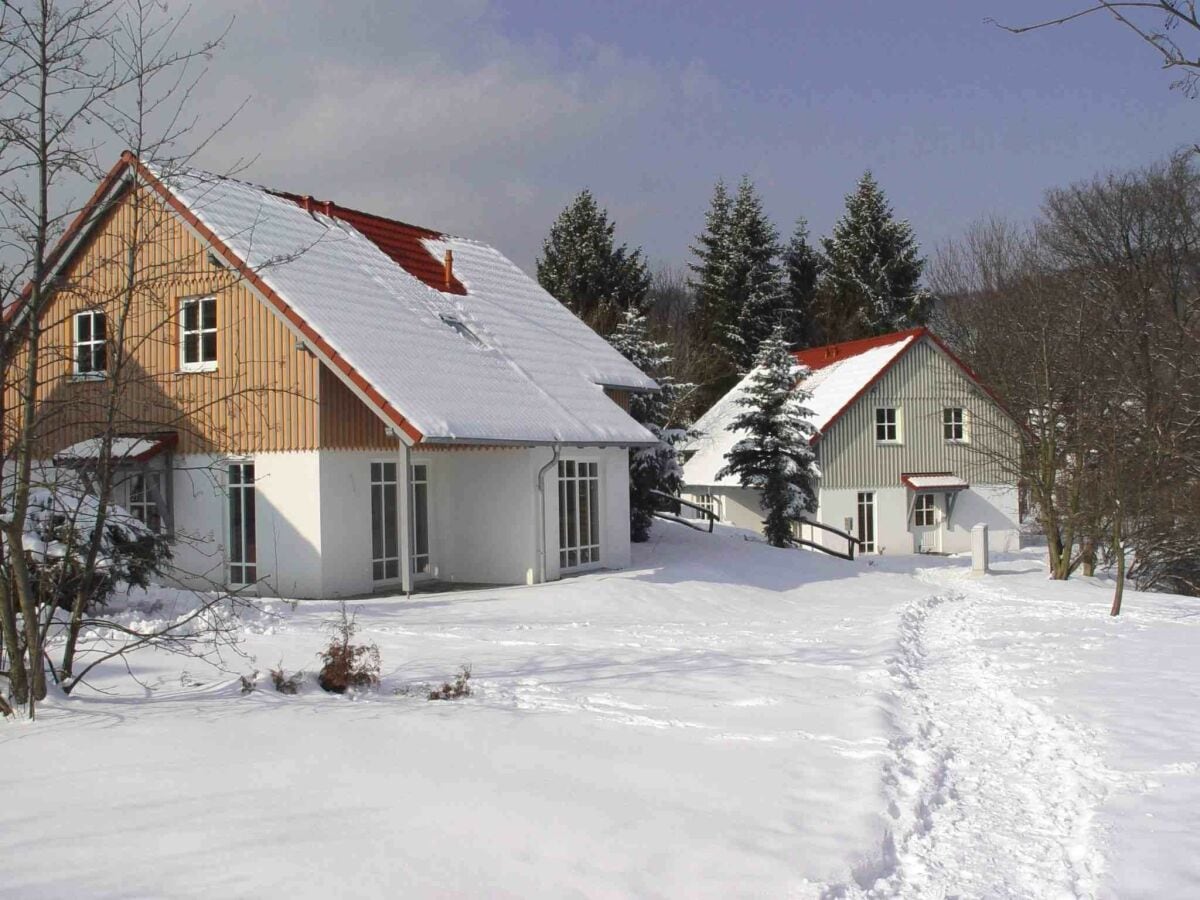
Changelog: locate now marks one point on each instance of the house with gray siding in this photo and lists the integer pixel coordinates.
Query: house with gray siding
(913, 449)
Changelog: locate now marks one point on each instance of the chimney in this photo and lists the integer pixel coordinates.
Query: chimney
(448, 269)
(307, 202)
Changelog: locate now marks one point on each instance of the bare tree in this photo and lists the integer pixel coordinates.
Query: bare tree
(1164, 25)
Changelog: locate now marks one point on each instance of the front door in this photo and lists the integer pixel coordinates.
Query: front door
(926, 524)
(578, 515)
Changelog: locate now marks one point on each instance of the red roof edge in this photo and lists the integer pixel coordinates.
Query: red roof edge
(820, 357)
(850, 349)
(281, 305)
(401, 242)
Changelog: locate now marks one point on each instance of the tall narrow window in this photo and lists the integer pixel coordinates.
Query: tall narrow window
(923, 511)
(419, 514)
(954, 424)
(91, 343)
(578, 514)
(887, 424)
(385, 540)
(198, 334)
(242, 546)
(142, 491)
(866, 520)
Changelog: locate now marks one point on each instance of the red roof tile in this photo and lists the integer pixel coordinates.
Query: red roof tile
(400, 241)
(820, 357)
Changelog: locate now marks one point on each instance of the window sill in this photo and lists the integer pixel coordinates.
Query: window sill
(87, 376)
(197, 368)
(879, 443)
(957, 441)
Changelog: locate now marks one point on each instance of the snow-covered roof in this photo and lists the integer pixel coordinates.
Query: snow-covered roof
(934, 482)
(838, 374)
(123, 449)
(501, 361)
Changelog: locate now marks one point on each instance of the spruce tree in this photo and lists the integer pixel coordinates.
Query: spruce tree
(802, 266)
(871, 284)
(775, 456)
(584, 269)
(711, 268)
(756, 296)
(653, 468)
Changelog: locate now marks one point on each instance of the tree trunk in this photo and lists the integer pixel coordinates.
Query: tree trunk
(18, 680)
(1119, 550)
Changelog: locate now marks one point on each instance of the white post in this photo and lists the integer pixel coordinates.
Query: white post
(404, 489)
(979, 550)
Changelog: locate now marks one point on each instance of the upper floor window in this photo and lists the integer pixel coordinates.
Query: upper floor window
(954, 424)
(887, 424)
(91, 343)
(198, 334)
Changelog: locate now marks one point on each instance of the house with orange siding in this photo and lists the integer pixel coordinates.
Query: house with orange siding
(315, 401)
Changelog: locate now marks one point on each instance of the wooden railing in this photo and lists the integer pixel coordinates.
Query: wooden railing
(851, 540)
(677, 502)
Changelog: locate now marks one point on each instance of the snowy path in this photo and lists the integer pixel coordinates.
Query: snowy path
(990, 794)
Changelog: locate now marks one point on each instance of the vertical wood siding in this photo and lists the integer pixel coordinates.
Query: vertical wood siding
(921, 384)
(346, 422)
(264, 395)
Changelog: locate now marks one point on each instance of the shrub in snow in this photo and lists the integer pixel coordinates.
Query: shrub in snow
(775, 457)
(59, 524)
(250, 682)
(347, 665)
(456, 689)
(284, 683)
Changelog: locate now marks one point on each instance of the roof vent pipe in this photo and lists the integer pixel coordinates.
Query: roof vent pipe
(448, 269)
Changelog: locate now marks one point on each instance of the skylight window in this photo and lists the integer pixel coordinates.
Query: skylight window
(461, 327)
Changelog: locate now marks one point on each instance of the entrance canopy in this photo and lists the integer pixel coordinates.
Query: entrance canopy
(135, 449)
(934, 481)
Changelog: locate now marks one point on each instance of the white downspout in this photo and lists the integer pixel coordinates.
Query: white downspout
(541, 533)
(405, 488)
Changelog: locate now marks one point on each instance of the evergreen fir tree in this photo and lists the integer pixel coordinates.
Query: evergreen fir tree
(655, 468)
(871, 283)
(802, 266)
(756, 297)
(775, 457)
(581, 266)
(711, 268)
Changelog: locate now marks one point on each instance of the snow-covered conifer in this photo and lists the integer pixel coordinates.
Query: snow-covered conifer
(873, 273)
(655, 468)
(775, 456)
(802, 266)
(584, 269)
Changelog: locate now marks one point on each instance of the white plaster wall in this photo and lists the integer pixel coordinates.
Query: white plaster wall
(345, 485)
(484, 514)
(287, 519)
(992, 505)
(615, 549)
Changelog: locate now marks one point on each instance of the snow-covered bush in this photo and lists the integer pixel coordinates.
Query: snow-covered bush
(347, 665)
(59, 524)
(456, 689)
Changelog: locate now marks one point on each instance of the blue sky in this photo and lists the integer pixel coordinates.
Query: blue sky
(486, 118)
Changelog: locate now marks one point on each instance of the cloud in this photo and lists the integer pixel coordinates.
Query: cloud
(435, 117)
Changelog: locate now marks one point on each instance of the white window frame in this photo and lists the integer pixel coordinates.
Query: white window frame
(420, 564)
(950, 425)
(894, 426)
(925, 510)
(91, 343)
(711, 502)
(144, 508)
(865, 513)
(243, 571)
(200, 364)
(580, 556)
(379, 481)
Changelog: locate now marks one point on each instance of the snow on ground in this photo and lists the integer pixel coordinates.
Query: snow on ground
(723, 719)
